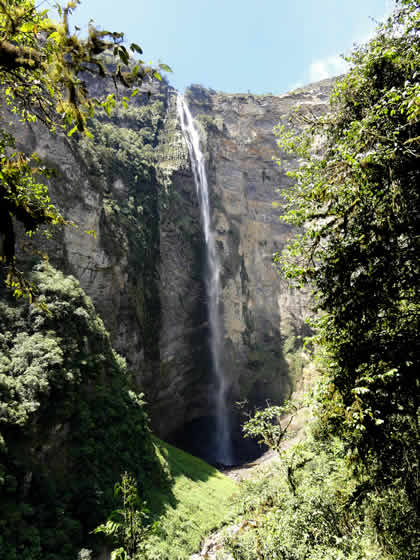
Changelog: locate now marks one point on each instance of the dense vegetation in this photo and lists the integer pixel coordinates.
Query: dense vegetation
(315, 519)
(183, 512)
(359, 203)
(70, 422)
(351, 490)
(71, 425)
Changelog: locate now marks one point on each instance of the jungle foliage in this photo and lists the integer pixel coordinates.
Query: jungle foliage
(44, 71)
(356, 198)
(358, 202)
(127, 525)
(315, 519)
(70, 422)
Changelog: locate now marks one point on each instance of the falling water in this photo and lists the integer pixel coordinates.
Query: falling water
(223, 424)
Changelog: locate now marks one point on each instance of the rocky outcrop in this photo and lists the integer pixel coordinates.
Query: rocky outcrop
(144, 269)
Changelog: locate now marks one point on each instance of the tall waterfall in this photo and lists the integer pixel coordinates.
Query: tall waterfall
(223, 451)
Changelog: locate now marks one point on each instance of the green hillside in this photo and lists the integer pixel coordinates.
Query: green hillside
(195, 502)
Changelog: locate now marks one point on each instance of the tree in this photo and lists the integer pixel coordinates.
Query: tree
(357, 200)
(43, 70)
(128, 525)
(272, 426)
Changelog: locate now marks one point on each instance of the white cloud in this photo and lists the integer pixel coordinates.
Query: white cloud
(327, 68)
(334, 65)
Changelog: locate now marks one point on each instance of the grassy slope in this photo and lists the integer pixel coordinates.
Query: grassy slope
(194, 503)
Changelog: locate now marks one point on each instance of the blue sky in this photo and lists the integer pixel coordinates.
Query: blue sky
(260, 46)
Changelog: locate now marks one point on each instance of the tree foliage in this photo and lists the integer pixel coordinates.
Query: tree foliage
(356, 196)
(70, 421)
(271, 425)
(128, 525)
(44, 64)
(315, 520)
(44, 67)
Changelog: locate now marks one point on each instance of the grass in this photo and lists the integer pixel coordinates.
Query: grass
(195, 502)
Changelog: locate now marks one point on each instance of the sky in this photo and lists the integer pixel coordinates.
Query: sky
(260, 46)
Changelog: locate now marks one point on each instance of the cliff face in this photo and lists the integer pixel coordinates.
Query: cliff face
(261, 313)
(144, 269)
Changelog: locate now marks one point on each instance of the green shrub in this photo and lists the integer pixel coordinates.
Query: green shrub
(317, 519)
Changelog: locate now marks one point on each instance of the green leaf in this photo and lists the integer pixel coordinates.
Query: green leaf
(55, 37)
(27, 27)
(119, 554)
(72, 131)
(136, 48)
(123, 55)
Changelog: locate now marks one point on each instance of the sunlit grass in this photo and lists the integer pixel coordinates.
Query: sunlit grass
(195, 502)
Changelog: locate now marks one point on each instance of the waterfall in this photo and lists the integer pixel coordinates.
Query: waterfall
(223, 451)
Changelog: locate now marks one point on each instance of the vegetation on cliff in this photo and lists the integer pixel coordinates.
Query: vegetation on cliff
(123, 152)
(71, 424)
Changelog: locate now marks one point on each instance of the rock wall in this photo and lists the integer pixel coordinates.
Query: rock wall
(264, 318)
(144, 270)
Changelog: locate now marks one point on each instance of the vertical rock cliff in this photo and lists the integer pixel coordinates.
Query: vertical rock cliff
(261, 312)
(144, 270)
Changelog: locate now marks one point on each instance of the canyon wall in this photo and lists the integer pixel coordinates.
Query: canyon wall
(143, 268)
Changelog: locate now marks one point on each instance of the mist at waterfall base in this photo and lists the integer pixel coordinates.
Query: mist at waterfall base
(216, 435)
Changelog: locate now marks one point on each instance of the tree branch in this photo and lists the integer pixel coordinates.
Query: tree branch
(13, 57)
